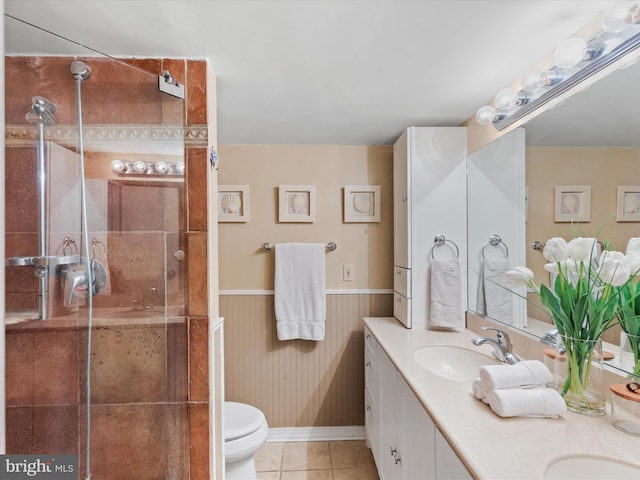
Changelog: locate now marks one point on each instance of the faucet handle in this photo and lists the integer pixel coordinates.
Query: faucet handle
(503, 337)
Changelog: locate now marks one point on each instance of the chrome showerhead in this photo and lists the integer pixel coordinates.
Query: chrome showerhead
(80, 70)
(42, 111)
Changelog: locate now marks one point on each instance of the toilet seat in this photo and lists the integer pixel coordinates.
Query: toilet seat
(241, 420)
(245, 431)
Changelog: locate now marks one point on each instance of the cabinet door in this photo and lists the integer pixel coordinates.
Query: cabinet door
(448, 465)
(388, 416)
(416, 437)
(401, 237)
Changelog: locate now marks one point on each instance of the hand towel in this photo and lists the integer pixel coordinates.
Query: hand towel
(300, 296)
(446, 294)
(524, 373)
(479, 390)
(498, 298)
(527, 402)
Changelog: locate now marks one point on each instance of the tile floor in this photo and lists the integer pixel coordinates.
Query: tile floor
(334, 460)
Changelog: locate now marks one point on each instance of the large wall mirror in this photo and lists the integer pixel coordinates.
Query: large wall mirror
(590, 142)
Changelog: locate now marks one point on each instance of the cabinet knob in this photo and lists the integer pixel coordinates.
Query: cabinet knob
(404, 199)
(396, 460)
(368, 336)
(367, 408)
(398, 272)
(393, 451)
(368, 364)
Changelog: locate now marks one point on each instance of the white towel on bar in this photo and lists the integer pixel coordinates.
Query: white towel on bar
(446, 294)
(300, 295)
(498, 298)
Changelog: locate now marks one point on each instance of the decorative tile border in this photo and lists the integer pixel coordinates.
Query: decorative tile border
(193, 135)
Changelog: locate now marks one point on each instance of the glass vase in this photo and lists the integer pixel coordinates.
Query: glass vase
(630, 355)
(578, 375)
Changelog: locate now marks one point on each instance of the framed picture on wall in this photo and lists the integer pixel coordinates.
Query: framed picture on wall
(628, 209)
(233, 203)
(361, 203)
(573, 203)
(297, 203)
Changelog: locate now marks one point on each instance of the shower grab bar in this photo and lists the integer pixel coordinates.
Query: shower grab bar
(495, 241)
(439, 241)
(331, 246)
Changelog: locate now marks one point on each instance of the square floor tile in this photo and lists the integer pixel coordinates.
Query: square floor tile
(269, 457)
(306, 456)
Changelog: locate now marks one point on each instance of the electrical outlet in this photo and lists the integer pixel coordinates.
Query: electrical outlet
(347, 273)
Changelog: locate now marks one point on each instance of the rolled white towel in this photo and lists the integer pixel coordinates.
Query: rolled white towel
(527, 402)
(479, 391)
(525, 373)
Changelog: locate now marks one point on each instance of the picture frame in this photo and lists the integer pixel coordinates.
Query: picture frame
(572, 203)
(628, 206)
(361, 203)
(297, 203)
(233, 203)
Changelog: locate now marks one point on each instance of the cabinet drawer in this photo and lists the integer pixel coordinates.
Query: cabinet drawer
(402, 281)
(370, 343)
(371, 424)
(402, 309)
(370, 373)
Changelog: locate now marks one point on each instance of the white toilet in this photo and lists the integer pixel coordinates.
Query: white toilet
(245, 431)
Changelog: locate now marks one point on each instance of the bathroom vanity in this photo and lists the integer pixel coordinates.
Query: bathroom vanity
(420, 424)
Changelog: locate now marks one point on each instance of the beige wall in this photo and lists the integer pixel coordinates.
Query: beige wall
(368, 247)
(301, 383)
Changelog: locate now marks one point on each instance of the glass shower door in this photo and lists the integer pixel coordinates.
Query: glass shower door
(106, 384)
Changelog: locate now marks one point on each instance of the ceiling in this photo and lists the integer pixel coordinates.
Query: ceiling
(324, 72)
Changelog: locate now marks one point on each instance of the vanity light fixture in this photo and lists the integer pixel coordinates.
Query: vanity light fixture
(574, 60)
(140, 168)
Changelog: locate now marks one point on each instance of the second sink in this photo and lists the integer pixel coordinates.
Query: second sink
(453, 363)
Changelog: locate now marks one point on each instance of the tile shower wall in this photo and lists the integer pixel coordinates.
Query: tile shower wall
(149, 379)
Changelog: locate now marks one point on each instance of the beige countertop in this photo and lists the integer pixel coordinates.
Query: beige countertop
(490, 446)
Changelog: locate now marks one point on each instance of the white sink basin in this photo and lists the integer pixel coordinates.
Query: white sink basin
(590, 468)
(453, 363)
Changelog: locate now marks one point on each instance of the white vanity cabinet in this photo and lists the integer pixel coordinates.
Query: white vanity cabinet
(404, 440)
(407, 434)
(429, 199)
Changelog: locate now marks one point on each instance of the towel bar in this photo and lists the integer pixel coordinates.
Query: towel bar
(494, 241)
(331, 246)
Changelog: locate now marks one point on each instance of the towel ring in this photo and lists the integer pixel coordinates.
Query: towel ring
(439, 241)
(495, 241)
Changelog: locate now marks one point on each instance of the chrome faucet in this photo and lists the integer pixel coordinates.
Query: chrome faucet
(502, 347)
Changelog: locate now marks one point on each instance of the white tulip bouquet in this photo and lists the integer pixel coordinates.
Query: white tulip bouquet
(585, 299)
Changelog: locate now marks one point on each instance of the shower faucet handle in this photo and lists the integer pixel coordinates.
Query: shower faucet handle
(74, 282)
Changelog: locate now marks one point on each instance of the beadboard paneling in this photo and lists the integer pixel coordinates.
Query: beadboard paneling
(299, 383)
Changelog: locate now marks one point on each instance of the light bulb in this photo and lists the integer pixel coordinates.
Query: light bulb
(569, 53)
(532, 79)
(616, 19)
(506, 99)
(139, 167)
(161, 167)
(118, 166)
(180, 168)
(486, 115)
